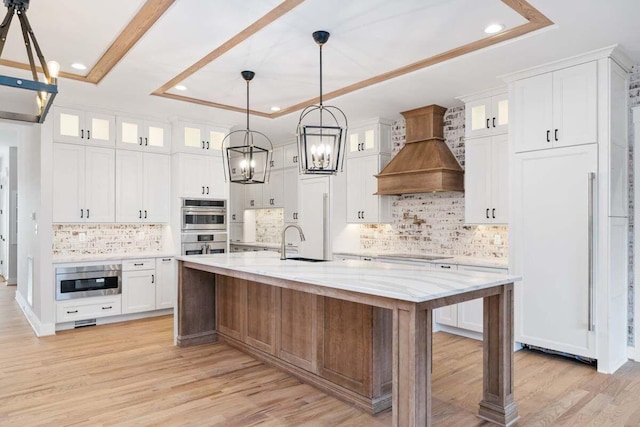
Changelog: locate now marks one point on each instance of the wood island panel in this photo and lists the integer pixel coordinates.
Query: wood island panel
(260, 319)
(230, 296)
(197, 316)
(297, 328)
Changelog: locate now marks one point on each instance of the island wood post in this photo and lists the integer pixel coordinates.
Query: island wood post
(497, 403)
(412, 328)
(196, 307)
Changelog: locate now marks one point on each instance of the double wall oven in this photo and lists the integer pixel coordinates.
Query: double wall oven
(204, 227)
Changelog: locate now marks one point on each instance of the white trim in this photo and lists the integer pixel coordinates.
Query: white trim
(457, 331)
(501, 90)
(12, 281)
(633, 353)
(613, 52)
(636, 231)
(119, 318)
(40, 329)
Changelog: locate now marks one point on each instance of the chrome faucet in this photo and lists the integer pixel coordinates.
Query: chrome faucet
(283, 249)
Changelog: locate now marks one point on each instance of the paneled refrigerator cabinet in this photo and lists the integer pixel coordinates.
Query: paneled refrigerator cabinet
(569, 210)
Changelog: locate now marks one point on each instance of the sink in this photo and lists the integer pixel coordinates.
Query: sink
(306, 259)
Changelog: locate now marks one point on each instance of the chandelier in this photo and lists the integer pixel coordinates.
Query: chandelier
(321, 131)
(247, 152)
(45, 91)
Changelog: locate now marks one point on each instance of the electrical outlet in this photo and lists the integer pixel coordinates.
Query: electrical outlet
(497, 239)
(82, 237)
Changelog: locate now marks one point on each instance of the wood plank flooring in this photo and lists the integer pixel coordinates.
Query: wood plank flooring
(131, 374)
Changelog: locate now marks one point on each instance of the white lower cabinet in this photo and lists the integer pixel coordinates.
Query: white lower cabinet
(88, 308)
(148, 284)
(166, 283)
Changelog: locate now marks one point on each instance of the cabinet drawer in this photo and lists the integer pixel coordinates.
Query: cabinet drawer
(77, 310)
(139, 264)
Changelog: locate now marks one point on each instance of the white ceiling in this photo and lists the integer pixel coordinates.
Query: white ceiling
(368, 37)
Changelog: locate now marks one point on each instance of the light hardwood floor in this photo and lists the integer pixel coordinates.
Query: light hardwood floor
(131, 374)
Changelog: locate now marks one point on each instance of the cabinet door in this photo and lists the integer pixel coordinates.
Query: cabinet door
(291, 156)
(260, 321)
(193, 172)
(297, 328)
(236, 202)
(138, 291)
(277, 158)
(231, 305)
(157, 137)
(193, 138)
(470, 313)
(500, 113)
(313, 196)
(213, 141)
(253, 196)
(363, 141)
(130, 175)
(477, 181)
(499, 179)
(130, 133)
(156, 187)
(216, 186)
(447, 315)
(575, 105)
(236, 232)
(355, 189)
(478, 118)
(273, 191)
(100, 184)
(532, 113)
(166, 283)
(68, 125)
(375, 209)
(100, 129)
(68, 183)
(290, 177)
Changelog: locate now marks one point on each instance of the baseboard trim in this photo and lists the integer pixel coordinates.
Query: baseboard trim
(458, 331)
(39, 328)
(118, 318)
(13, 281)
(633, 353)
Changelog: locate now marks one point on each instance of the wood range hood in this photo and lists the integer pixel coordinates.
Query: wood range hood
(425, 164)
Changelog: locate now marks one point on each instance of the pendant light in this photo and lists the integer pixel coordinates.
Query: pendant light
(321, 131)
(45, 91)
(247, 152)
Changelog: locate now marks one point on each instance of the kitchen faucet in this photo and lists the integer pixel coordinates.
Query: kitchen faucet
(283, 255)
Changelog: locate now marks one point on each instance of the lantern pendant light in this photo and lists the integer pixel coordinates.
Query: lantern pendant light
(321, 131)
(247, 152)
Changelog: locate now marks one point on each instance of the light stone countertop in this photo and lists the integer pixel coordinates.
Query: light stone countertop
(110, 257)
(457, 260)
(398, 281)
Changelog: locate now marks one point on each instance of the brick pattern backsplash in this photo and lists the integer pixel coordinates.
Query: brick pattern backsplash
(634, 99)
(433, 223)
(106, 239)
(269, 223)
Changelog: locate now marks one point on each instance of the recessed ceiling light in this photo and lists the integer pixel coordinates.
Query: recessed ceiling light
(274, 108)
(180, 87)
(78, 66)
(494, 28)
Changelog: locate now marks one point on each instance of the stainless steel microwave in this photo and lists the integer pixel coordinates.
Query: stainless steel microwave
(204, 215)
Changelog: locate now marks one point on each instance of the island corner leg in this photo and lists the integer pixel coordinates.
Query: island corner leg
(195, 308)
(412, 330)
(498, 405)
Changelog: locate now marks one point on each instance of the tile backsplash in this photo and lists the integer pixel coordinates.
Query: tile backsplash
(269, 223)
(106, 239)
(434, 222)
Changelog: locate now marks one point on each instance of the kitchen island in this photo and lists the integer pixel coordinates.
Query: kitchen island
(358, 330)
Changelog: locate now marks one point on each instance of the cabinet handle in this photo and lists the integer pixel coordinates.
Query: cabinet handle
(367, 259)
(233, 170)
(487, 123)
(207, 145)
(88, 134)
(87, 213)
(81, 213)
(592, 177)
(203, 189)
(145, 214)
(203, 145)
(494, 122)
(233, 217)
(493, 213)
(487, 213)
(109, 307)
(140, 141)
(166, 259)
(548, 136)
(555, 134)
(362, 214)
(140, 214)
(295, 159)
(146, 141)
(153, 278)
(445, 266)
(82, 137)
(138, 264)
(207, 189)
(72, 311)
(251, 203)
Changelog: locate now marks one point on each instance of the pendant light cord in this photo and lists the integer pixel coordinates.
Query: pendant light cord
(321, 91)
(247, 104)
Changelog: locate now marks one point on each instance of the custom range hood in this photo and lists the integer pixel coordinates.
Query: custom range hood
(425, 164)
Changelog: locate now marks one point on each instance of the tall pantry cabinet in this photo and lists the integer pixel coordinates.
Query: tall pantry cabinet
(569, 206)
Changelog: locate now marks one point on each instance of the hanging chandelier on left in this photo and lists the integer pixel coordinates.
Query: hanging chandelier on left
(45, 91)
(247, 152)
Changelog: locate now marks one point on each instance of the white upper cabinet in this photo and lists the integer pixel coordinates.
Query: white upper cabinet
(253, 196)
(83, 184)
(198, 138)
(273, 191)
(556, 109)
(277, 158)
(82, 127)
(236, 202)
(486, 180)
(291, 210)
(291, 156)
(143, 185)
(201, 176)
(372, 137)
(487, 116)
(363, 206)
(135, 134)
